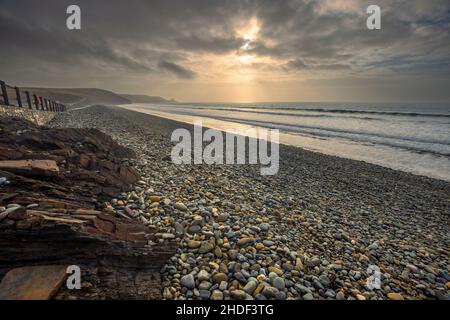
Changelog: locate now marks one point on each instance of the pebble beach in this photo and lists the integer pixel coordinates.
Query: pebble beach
(316, 230)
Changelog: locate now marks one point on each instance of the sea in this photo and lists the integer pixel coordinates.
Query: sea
(411, 137)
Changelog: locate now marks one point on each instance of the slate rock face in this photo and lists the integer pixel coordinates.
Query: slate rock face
(32, 283)
(74, 167)
(50, 215)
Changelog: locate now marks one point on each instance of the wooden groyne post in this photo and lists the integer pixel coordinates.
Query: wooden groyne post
(4, 93)
(40, 103)
(19, 99)
(30, 106)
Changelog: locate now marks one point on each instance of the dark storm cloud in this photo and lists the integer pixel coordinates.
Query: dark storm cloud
(301, 30)
(299, 64)
(157, 37)
(40, 31)
(136, 36)
(211, 45)
(176, 69)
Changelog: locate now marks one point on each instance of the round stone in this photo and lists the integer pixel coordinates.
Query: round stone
(302, 289)
(250, 287)
(217, 295)
(193, 244)
(232, 254)
(204, 285)
(203, 275)
(166, 236)
(280, 295)
(308, 296)
(278, 283)
(238, 294)
(205, 247)
(219, 277)
(204, 294)
(269, 292)
(340, 296)
(178, 228)
(324, 280)
(240, 277)
(218, 252)
(261, 277)
(223, 285)
(245, 241)
(195, 228)
(360, 297)
(180, 206)
(276, 270)
(315, 261)
(198, 220)
(155, 198)
(395, 296)
(330, 293)
(188, 281)
(223, 217)
(268, 243)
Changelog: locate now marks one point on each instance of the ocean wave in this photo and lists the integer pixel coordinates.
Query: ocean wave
(374, 134)
(345, 111)
(301, 115)
(323, 110)
(350, 135)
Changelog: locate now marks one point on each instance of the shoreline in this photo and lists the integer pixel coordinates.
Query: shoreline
(310, 232)
(286, 139)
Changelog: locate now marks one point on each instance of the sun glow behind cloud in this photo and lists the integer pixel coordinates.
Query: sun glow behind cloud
(249, 33)
(234, 50)
(240, 67)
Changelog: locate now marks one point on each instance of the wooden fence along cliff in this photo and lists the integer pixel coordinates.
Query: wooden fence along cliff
(14, 96)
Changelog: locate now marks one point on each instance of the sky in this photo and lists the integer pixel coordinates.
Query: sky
(232, 51)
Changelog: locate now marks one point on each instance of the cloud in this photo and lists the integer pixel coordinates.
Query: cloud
(176, 69)
(210, 45)
(299, 64)
(199, 40)
(334, 33)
